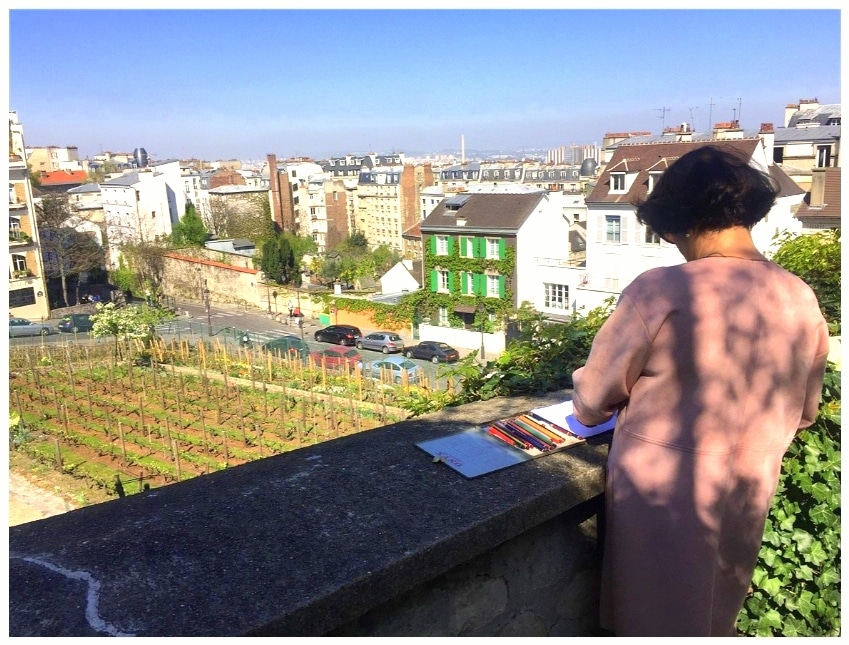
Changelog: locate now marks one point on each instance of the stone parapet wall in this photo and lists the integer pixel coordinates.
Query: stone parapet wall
(361, 535)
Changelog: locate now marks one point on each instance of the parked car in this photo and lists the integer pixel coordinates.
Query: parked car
(433, 351)
(392, 369)
(23, 327)
(339, 334)
(287, 346)
(75, 322)
(337, 359)
(382, 341)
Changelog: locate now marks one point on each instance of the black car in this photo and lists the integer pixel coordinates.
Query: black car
(433, 351)
(75, 322)
(339, 334)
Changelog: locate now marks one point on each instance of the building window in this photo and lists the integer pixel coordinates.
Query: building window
(653, 179)
(443, 316)
(556, 296)
(651, 236)
(613, 232)
(467, 283)
(444, 285)
(492, 247)
(493, 286)
(467, 247)
(617, 182)
(778, 154)
(19, 262)
(22, 297)
(442, 245)
(823, 156)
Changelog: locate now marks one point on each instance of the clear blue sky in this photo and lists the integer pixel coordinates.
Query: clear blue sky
(225, 84)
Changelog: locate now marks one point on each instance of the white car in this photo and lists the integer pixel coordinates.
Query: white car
(23, 327)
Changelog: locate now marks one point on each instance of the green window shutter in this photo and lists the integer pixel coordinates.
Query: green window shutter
(476, 248)
(501, 281)
(478, 280)
(501, 252)
(450, 245)
(451, 281)
(464, 285)
(464, 246)
(433, 244)
(434, 281)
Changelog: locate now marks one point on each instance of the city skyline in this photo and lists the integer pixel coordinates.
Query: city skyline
(195, 83)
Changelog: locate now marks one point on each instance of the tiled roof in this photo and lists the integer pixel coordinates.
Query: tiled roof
(829, 206)
(415, 231)
(641, 158)
(496, 212)
(62, 177)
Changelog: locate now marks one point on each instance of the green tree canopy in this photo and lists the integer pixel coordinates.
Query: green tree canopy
(816, 259)
(190, 230)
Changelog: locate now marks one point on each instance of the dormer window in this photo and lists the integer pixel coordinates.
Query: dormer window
(654, 176)
(617, 182)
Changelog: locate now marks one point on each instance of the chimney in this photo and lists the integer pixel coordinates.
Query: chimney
(767, 136)
(789, 110)
(817, 187)
(274, 185)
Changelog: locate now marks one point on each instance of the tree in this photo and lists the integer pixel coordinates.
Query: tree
(189, 231)
(278, 261)
(128, 322)
(69, 243)
(816, 259)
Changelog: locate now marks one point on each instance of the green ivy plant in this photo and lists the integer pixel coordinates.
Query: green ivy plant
(796, 585)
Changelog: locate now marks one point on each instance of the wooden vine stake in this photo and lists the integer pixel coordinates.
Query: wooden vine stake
(59, 465)
(123, 443)
(176, 454)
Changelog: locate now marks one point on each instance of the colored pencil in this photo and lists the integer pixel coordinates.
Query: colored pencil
(526, 421)
(495, 432)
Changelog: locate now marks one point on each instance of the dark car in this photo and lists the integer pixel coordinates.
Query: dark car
(75, 322)
(339, 334)
(382, 341)
(433, 351)
(287, 346)
(337, 359)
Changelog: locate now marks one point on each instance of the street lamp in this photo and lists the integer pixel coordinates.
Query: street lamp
(482, 314)
(208, 316)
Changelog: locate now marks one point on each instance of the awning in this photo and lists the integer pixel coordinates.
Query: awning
(465, 309)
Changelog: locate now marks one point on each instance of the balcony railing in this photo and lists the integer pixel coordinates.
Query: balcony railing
(19, 237)
(22, 273)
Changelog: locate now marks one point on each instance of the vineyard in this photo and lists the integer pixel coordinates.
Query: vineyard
(129, 417)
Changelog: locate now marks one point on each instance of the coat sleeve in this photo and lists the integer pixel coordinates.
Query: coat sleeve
(813, 393)
(617, 357)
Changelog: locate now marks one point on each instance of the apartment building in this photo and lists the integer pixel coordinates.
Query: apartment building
(809, 139)
(27, 287)
(513, 248)
(142, 205)
(619, 248)
(44, 159)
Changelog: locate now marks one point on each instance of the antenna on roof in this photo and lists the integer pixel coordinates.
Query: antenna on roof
(663, 112)
(692, 120)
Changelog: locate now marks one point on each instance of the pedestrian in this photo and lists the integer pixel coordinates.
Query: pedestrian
(291, 309)
(713, 365)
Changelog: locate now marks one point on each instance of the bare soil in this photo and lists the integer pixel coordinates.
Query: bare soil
(36, 491)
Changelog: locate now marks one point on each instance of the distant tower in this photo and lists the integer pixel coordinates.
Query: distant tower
(462, 148)
(140, 155)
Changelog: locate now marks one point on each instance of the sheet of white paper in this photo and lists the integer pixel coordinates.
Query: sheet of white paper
(473, 452)
(560, 414)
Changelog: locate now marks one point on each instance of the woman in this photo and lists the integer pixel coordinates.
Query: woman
(714, 365)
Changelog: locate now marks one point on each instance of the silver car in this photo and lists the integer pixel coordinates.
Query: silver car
(23, 327)
(382, 341)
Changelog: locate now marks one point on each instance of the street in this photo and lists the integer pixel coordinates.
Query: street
(228, 324)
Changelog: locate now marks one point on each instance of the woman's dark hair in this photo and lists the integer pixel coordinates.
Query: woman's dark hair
(708, 189)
